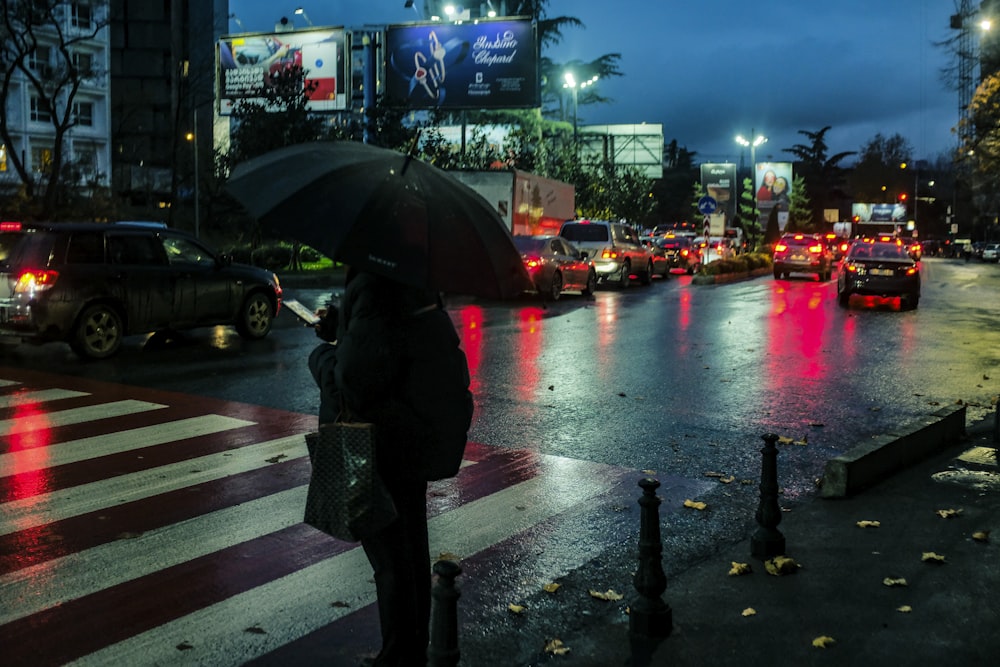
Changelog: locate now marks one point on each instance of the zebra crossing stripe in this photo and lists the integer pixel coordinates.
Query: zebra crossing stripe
(75, 416)
(299, 603)
(114, 443)
(41, 396)
(41, 509)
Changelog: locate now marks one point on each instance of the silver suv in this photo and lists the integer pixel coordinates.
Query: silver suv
(91, 284)
(615, 248)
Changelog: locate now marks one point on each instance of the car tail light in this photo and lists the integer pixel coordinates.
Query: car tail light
(912, 270)
(532, 263)
(684, 253)
(609, 253)
(7, 226)
(816, 249)
(851, 268)
(35, 281)
(781, 247)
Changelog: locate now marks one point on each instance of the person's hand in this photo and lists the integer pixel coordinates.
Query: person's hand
(326, 328)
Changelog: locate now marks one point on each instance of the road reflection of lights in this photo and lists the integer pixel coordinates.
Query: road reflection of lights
(26, 463)
(684, 311)
(798, 327)
(470, 332)
(607, 330)
(529, 345)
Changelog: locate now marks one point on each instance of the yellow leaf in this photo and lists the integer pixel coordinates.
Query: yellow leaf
(784, 440)
(607, 595)
(727, 480)
(447, 555)
(714, 474)
(949, 513)
(516, 608)
(739, 568)
(981, 536)
(906, 609)
(869, 524)
(823, 642)
(551, 588)
(695, 505)
(889, 581)
(556, 647)
(648, 472)
(931, 557)
(780, 565)
(749, 611)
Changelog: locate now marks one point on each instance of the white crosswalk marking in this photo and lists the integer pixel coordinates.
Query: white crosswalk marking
(74, 501)
(44, 396)
(111, 443)
(75, 416)
(299, 603)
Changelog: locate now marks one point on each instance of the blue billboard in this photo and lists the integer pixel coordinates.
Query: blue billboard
(484, 65)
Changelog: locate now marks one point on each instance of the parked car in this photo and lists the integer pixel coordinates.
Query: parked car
(661, 263)
(615, 248)
(91, 284)
(802, 253)
(879, 268)
(990, 252)
(556, 266)
(682, 253)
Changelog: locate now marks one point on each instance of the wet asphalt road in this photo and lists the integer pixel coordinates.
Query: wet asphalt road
(673, 379)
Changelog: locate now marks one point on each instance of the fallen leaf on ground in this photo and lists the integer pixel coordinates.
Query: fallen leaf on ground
(889, 581)
(516, 608)
(981, 536)
(255, 630)
(823, 642)
(727, 480)
(339, 604)
(875, 409)
(551, 588)
(817, 424)
(949, 513)
(739, 568)
(749, 611)
(931, 557)
(906, 609)
(865, 523)
(447, 555)
(714, 474)
(695, 505)
(556, 647)
(780, 565)
(607, 595)
(784, 440)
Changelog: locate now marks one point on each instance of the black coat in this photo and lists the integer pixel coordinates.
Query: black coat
(395, 364)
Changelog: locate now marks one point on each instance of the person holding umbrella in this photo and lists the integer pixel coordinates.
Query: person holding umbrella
(392, 358)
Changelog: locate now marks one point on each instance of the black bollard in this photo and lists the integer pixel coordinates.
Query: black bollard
(649, 615)
(443, 650)
(767, 541)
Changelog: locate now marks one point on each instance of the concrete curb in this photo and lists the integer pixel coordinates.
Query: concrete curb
(872, 461)
(725, 278)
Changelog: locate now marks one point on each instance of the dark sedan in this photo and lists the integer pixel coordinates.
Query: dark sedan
(681, 253)
(879, 268)
(556, 266)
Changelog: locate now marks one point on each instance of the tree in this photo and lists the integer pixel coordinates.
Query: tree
(824, 174)
(31, 31)
(800, 215)
(749, 216)
(877, 176)
(982, 150)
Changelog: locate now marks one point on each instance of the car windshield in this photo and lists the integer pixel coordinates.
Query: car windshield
(585, 232)
(530, 243)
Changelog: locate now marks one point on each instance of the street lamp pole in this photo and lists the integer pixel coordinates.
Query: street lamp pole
(754, 141)
(571, 83)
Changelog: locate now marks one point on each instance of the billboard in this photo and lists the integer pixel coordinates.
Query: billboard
(878, 212)
(251, 63)
(483, 65)
(719, 183)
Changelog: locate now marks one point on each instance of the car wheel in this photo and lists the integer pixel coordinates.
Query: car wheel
(843, 298)
(555, 287)
(909, 301)
(625, 280)
(591, 285)
(647, 277)
(255, 317)
(777, 274)
(691, 269)
(98, 333)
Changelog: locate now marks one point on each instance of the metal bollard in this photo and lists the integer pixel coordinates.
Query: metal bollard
(767, 541)
(649, 615)
(443, 650)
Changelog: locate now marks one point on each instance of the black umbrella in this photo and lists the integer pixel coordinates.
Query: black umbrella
(383, 212)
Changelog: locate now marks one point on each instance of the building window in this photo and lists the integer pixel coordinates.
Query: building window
(39, 58)
(83, 113)
(41, 159)
(40, 110)
(83, 63)
(81, 15)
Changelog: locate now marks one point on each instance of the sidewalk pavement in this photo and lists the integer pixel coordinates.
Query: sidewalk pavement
(946, 613)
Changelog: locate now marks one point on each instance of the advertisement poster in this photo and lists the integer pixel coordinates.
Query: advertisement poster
(250, 63)
(484, 65)
(878, 212)
(719, 183)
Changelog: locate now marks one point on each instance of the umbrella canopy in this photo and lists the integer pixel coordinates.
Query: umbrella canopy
(383, 212)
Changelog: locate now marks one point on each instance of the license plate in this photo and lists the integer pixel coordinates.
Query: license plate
(798, 258)
(883, 272)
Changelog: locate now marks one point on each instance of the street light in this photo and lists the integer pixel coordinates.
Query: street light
(302, 12)
(575, 87)
(755, 141)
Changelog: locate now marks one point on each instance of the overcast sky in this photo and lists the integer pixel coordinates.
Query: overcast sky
(712, 69)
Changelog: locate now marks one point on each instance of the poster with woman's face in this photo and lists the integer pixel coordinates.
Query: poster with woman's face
(773, 184)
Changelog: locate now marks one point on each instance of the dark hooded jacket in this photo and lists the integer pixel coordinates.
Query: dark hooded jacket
(397, 364)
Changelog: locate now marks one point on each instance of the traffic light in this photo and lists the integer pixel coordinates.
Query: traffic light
(902, 196)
